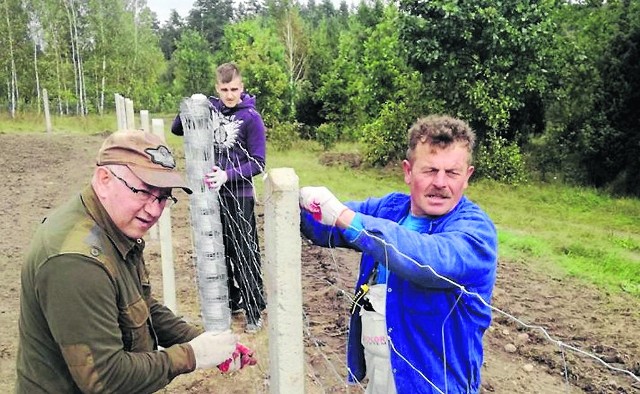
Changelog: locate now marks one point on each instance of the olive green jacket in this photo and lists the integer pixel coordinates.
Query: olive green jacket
(88, 322)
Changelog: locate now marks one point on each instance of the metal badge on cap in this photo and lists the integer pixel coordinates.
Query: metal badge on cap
(162, 156)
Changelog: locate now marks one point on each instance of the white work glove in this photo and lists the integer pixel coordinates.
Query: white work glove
(324, 206)
(216, 178)
(212, 349)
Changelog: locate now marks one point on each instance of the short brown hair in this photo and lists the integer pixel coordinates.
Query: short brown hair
(441, 131)
(227, 72)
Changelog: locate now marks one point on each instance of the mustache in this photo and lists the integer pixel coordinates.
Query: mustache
(438, 193)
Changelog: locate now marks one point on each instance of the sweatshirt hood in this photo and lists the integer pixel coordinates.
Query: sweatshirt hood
(247, 101)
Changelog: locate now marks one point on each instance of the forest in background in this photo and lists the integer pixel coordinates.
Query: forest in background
(551, 86)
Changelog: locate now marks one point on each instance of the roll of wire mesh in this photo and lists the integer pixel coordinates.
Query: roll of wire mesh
(209, 254)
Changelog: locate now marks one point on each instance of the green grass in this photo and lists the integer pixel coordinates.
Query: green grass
(561, 230)
(565, 231)
(91, 124)
(60, 124)
(579, 231)
(346, 183)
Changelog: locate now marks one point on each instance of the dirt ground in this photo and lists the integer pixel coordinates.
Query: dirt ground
(40, 171)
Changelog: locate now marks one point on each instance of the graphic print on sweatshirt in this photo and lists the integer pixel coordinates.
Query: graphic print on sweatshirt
(225, 128)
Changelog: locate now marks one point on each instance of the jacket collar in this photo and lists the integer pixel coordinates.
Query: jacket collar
(96, 210)
(401, 207)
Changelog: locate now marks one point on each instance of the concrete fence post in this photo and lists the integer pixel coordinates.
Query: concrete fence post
(121, 116)
(116, 101)
(130, 115)
(144, 120)
(144, 125)
(283, 278)
(47, 115)
(166, 242)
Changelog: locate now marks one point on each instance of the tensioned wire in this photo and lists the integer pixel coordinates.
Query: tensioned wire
(561, 345)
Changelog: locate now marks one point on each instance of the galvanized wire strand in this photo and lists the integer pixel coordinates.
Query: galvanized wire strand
(206, 159)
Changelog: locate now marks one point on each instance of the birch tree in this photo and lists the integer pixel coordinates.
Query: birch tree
(72, 8)
(12, 82)
(296, 48)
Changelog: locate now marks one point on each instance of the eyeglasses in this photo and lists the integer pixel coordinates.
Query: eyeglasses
(145, 196)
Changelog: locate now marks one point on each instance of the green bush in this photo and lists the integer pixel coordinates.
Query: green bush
(385, 139)
(500, 160)
(327, 135)
(556, 156)
(283, 135)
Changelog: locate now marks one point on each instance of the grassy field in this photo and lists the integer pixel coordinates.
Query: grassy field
(562, 230)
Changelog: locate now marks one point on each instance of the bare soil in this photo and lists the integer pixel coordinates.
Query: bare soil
(40, 171)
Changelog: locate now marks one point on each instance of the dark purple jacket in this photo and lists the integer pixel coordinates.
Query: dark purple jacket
(243, 158)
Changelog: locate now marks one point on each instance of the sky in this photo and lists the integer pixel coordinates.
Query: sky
(163, 7)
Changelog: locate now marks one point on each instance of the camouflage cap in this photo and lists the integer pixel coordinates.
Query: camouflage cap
(146, 155)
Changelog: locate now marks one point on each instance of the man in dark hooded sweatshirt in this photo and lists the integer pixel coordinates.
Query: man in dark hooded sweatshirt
(239, 157)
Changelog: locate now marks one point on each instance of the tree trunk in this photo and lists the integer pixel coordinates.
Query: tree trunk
(13, 84)
(77, 58)
(295, 55)
(104, 83)
(35, 66)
